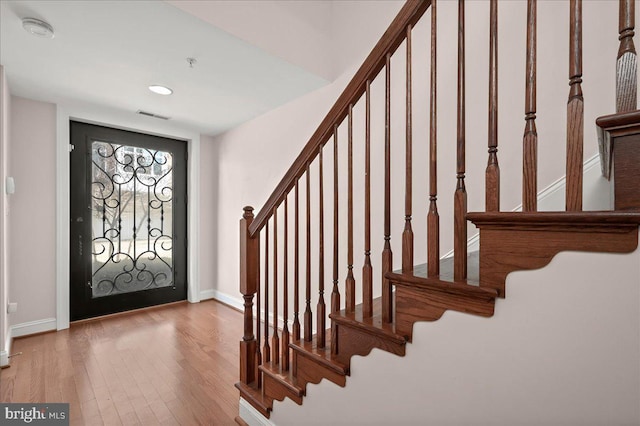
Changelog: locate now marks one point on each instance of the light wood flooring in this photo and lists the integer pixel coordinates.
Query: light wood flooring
(163, 366)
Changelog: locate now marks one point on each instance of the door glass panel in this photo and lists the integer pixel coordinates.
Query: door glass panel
(131, 219)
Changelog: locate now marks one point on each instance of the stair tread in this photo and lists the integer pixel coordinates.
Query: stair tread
(285, 377)
(373, 324)
(321, 355)
(588, 218)
(446, 270)
(444, 283)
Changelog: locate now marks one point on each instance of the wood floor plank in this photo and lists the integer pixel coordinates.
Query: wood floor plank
(173, 365)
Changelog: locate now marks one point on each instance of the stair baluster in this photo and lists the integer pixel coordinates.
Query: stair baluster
(307, 312)
(258, 356)
(350, 284)
(367, 269)
(387, 254)
(335, 293)
(321, 309)
(258, 362)
(530, 138)
(296, 268)
(285, 290)
(575, 110)
(627, 61)
(275, 339)
(407, 234)
(266, 349)
(492, 174)
(433, 219)
(460, 195)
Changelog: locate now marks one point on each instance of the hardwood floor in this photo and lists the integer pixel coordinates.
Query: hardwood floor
(166, 366)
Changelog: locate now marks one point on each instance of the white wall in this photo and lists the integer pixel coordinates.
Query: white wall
(209, 219)
(356, 27)
(563, 348)
(298, 32)
(250, 161)
(5, 105)
(32, 243)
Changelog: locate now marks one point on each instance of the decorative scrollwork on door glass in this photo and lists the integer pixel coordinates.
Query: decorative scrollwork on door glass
(132, 219)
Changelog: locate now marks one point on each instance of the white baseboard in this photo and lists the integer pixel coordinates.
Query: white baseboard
(239, 304)
(251, 416)
(222, 297)
(4, 355)
(33, 327)
(25, 329)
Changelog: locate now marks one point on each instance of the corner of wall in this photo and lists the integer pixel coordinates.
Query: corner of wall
(6, 351)
(251, 416)
(5, 99)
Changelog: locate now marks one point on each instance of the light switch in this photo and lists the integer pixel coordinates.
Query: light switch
(10, 185)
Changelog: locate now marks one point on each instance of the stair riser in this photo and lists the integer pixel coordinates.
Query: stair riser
(407, 313)
(353, 341)
(626, 172)
(307, 370)
(413, 305)
(273, 388)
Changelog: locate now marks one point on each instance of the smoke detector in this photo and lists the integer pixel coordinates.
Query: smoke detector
(37, 27)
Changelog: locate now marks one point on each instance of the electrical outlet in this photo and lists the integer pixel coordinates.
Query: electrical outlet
(12, 307)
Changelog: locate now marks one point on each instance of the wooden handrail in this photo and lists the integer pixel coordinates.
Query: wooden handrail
(389, 42)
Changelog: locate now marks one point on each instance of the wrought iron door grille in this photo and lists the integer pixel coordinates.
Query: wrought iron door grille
(132, 219)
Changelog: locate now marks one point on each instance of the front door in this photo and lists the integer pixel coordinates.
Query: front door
(128, 220)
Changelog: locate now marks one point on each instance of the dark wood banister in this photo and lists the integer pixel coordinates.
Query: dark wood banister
(389, 42)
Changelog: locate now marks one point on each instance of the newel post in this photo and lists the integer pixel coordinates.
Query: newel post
(249, 275)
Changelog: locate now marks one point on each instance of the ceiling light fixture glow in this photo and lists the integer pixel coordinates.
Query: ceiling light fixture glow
(160, 90)
(37, 27)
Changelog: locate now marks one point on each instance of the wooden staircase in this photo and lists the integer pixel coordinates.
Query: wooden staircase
(418, 298)
(281, 367)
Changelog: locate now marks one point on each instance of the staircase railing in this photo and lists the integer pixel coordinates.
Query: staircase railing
(305, 181)
(251, 354)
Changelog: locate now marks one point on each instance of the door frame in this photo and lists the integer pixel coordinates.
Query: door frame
(131, 122)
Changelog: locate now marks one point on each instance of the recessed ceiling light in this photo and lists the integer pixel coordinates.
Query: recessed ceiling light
(37, 27)
(160, 90)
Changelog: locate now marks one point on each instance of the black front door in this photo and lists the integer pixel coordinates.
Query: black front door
(128, 220)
